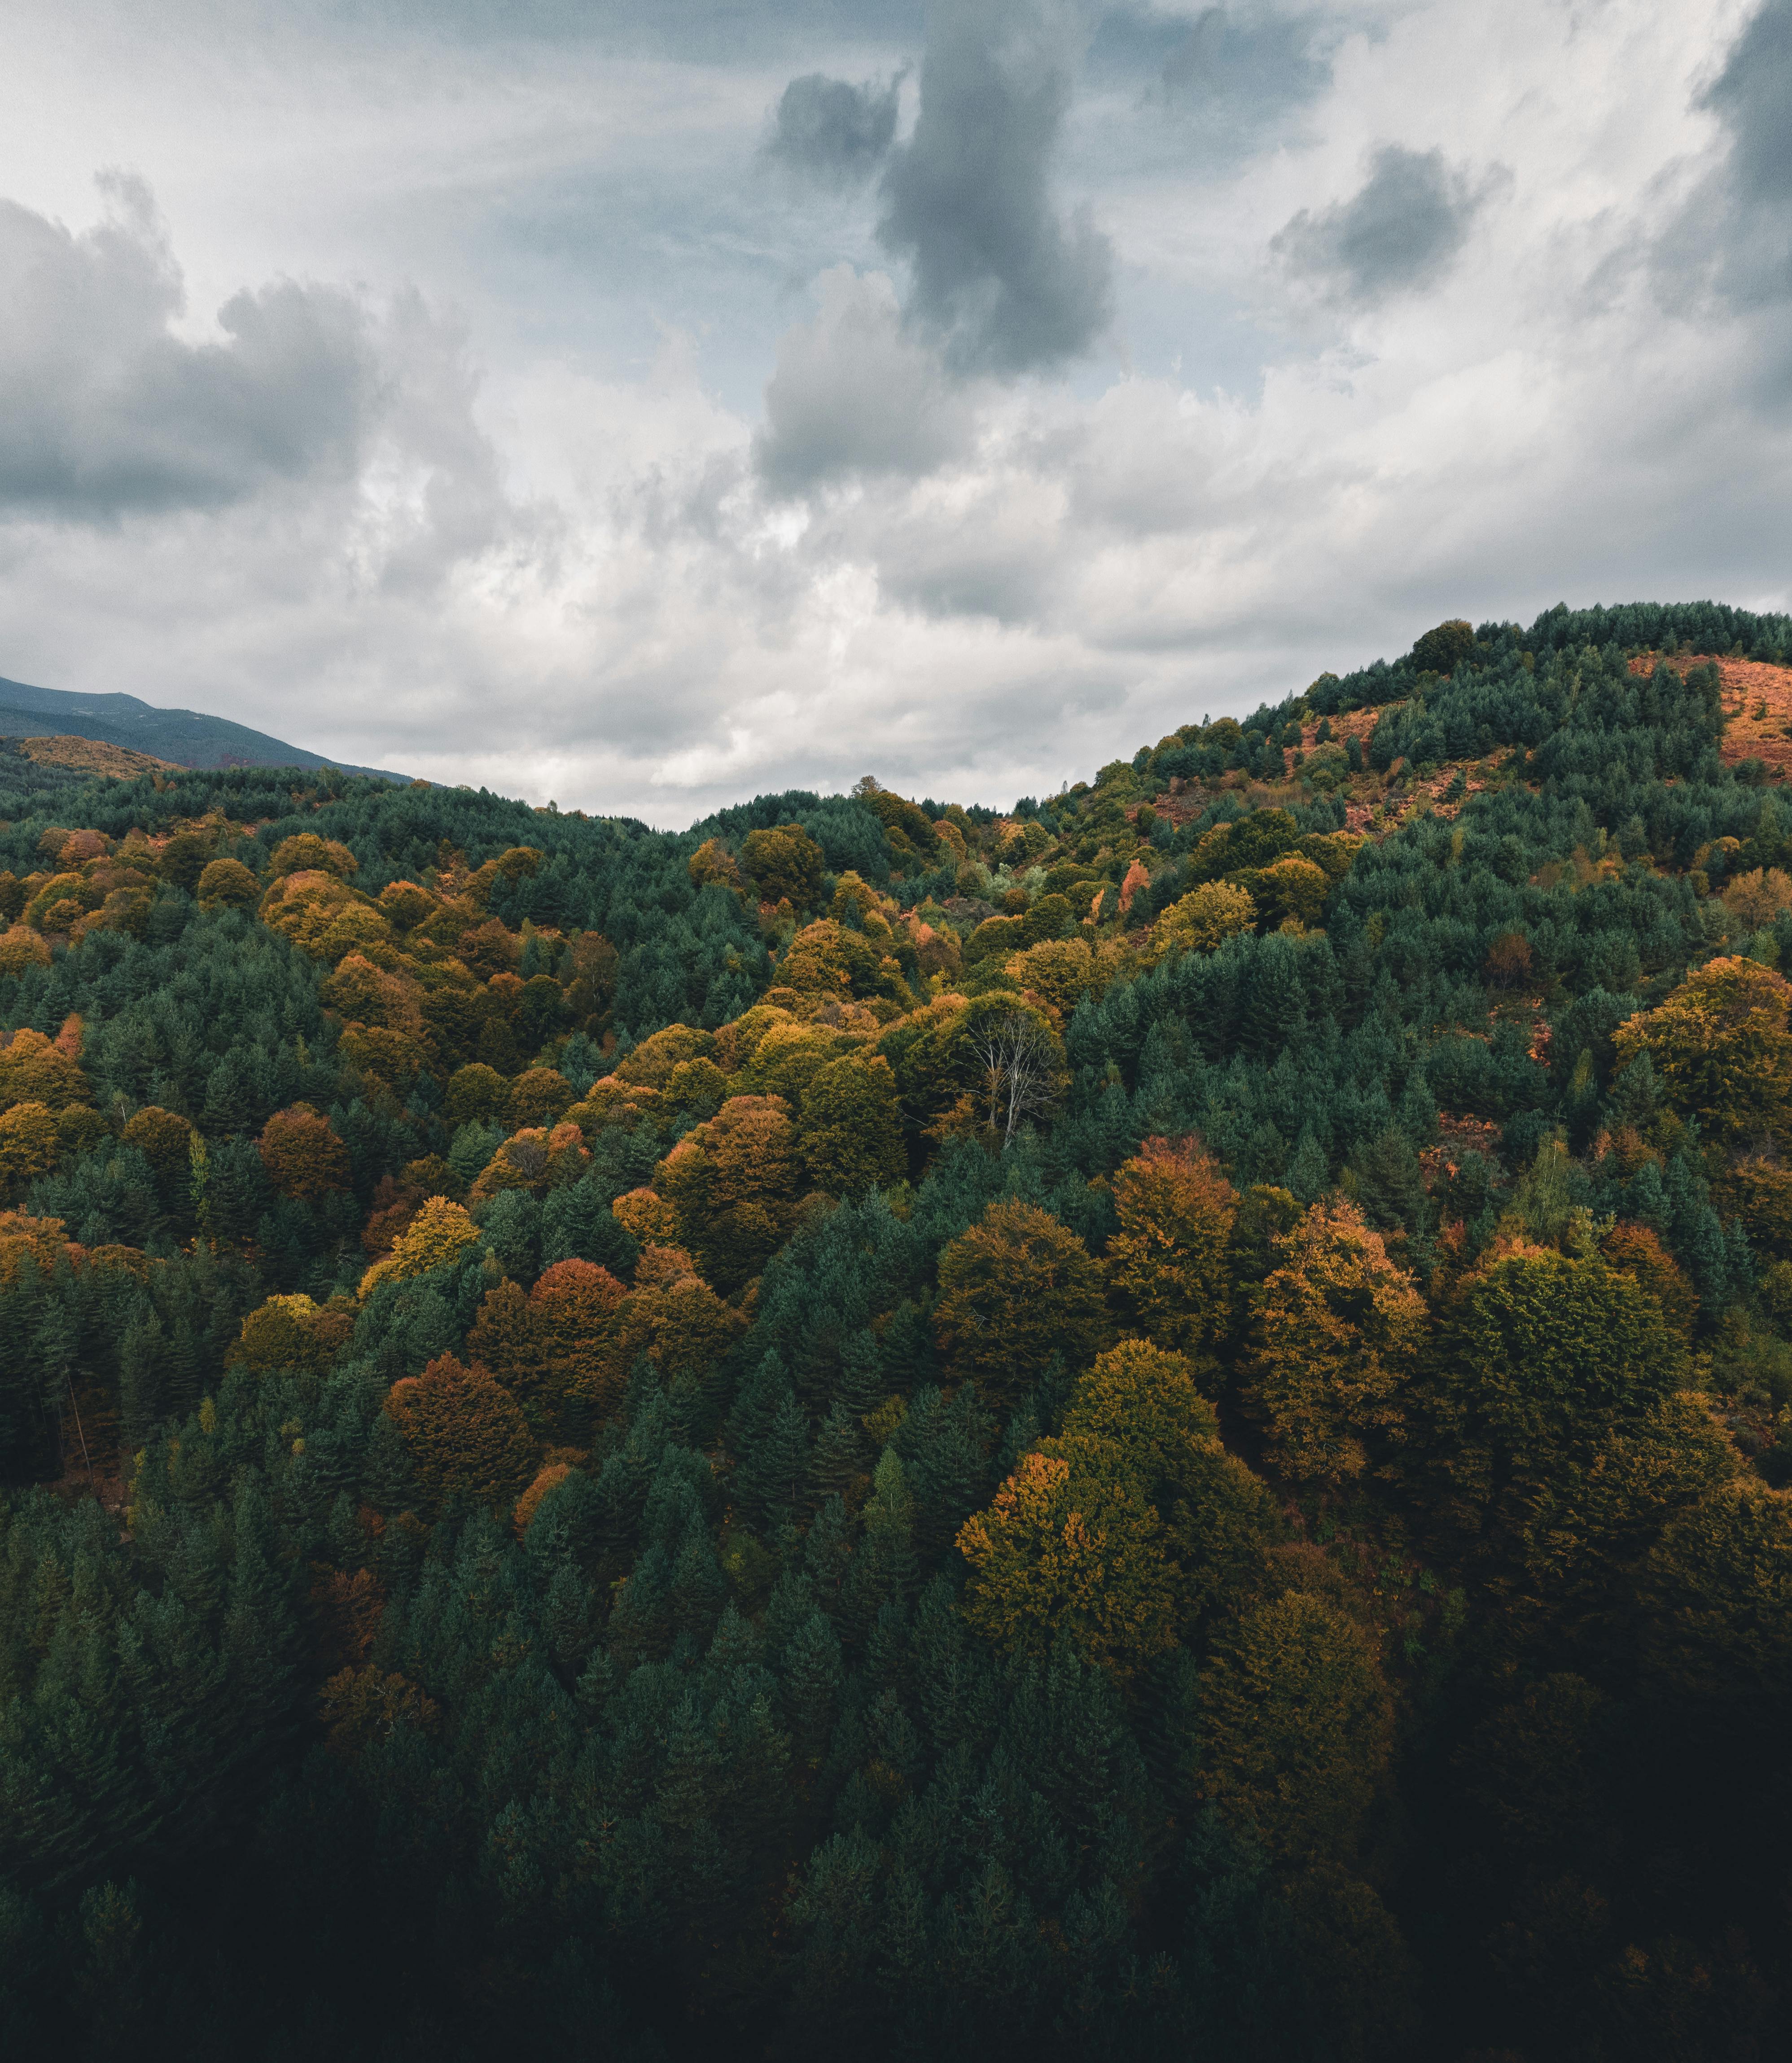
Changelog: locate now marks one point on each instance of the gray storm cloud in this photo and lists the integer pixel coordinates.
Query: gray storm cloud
(1753, 95)
(1005, 282)
(853, 393)
(1197, 56)
(830, 132)
(1400, 230)
(107, 413)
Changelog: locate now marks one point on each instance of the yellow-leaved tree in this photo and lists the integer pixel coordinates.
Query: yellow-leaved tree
(1203, 919)
(1122, 1532)
(1720, 1048)
(733, 1183)
(1169, 1259)
(438, 1236)
(1338, 1336)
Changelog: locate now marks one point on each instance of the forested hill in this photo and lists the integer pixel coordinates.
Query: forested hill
(1156, 1424)
(184, 736)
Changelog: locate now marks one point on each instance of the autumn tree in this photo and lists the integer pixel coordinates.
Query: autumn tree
(654, 1059)
(1292, 888)
(1145, 1405)
(1638, 1252)
(440, 1234)
(35, 1069)
(826, 959)
(1059, 972)
(1078, 1552)
(1758, 1188)
(358, 1708)
(1296, 1726)
(1014, 1289)
(539, 1095)
(646, 1216)
(850, 1131)
(1169, 1259)
(1546, 1427)
(575, 1308)
(291, 1333)
(1338, 1336)
(535, 1159)
(307, 853)
(1121, 1534)
(674, 1319)
(733, 1183)
(550, 1477)
(1759, 895)
(165, 1141)
(712, 864)
(1720, 1048)
(1201, 920)
(28, 1144)
(303, 1155)
(477, 1093)
(227, 884)
(467, 1437)
(788, 1056)
(784, 865)
(1442, 650)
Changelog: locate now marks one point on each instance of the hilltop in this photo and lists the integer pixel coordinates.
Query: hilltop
(182, 738)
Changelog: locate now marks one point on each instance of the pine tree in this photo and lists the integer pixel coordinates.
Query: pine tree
(837, 1463)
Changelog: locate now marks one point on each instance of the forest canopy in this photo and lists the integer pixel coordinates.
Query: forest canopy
(1156, 1423)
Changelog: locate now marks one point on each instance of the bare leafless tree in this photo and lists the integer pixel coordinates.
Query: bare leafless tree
(1019, 1071)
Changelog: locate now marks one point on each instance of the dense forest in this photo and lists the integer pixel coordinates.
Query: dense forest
(1160, 1425)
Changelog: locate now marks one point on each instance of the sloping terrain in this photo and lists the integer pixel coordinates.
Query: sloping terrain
(88, 755)
(1757, 704)
(184, 737)
(1156, 1424)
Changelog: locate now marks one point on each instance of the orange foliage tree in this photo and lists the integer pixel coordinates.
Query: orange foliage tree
(674, 1319)
(1638, 1252)
(35, 1069)
(466, 1435)
(575, 1311)
(303, 1155)
(1169, 1259)
(733, 1183)
(1339, 1334)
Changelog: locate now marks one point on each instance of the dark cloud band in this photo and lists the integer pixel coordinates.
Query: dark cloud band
(1000, 275)
(1399, 232)
(832, 133)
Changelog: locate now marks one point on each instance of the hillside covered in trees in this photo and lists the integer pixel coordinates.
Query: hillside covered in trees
(1156, 1426)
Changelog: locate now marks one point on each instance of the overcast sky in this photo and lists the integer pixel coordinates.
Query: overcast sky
(646, 405)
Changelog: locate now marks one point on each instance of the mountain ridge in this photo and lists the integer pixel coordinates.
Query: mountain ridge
(189, 738)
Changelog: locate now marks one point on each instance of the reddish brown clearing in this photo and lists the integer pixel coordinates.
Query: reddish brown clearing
(1757, 706)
